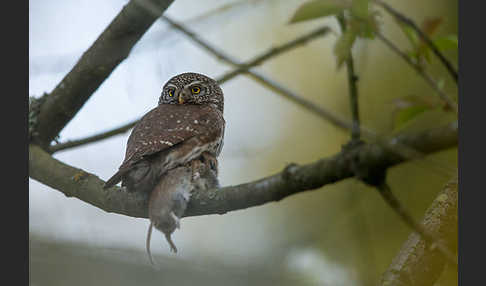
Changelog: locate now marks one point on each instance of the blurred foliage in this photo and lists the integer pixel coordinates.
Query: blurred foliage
(360, 21)
(421, 52)
(349, 221)
(318, 8)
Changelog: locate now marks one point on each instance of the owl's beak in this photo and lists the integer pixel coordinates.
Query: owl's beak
(184, 96)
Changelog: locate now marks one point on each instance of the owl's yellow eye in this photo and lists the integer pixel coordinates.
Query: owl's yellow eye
(171, 92)
(196, 90)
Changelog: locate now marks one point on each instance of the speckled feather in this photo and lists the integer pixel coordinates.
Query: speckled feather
(168, 125)
(174, 134)
(187, 123)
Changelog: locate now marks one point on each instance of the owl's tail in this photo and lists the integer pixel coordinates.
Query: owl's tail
(113, 180)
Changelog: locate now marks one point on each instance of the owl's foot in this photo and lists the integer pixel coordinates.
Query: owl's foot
(196, 165)
(210, 160)
(173, 248)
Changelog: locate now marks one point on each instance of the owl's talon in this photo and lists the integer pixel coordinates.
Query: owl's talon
(213, 162)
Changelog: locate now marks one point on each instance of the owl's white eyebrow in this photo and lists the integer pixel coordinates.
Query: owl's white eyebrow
(171, 85)
(192, 83)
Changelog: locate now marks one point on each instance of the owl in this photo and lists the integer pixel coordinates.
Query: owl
(173, 149)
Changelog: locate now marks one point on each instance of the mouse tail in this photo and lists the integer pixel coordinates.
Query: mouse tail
(147, 243)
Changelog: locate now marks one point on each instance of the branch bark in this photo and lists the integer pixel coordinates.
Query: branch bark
(74, 182)
(419, 263)
(96, 64)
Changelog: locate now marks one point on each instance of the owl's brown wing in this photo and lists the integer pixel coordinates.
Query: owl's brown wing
(174, 135)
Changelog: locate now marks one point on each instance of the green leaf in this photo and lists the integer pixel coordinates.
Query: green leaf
(430, 25)
(445, 43)
(412, 36)
(342, 48)
(407, 114)
(365, 27)
(359, 9)
(318, 8)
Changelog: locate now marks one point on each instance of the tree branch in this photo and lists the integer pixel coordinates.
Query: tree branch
(419, 263)
(91, 139)
(74, 182)
(353, 87)
(96, 64)
(402, 18)
(273, 52)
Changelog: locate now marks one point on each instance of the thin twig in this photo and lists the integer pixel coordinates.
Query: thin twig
(353, 87)
(274, 52)
(262, 79)
(402, 18)
(307, 104)
(395, 204)
(426, 76)
(91, 139)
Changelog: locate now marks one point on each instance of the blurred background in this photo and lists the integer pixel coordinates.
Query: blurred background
(341, 234)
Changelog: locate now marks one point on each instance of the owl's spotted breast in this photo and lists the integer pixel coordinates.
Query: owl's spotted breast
(168, 125)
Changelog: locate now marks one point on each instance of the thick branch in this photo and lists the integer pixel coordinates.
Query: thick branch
(419, 263)
(96, 64)
(294, 179)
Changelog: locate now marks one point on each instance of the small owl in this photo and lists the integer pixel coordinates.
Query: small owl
(182, 135)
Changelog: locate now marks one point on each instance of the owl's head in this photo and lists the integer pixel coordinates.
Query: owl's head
(192, 88)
